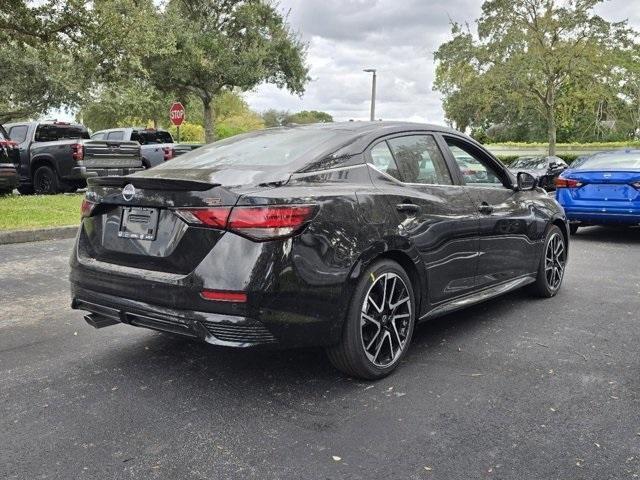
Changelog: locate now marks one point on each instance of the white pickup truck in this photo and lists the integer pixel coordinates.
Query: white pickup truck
(156, 146)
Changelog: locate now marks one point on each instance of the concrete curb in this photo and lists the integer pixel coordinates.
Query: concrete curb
(37, 235)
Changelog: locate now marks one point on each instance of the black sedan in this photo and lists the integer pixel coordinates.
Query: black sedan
(336, 235)
(544, 169)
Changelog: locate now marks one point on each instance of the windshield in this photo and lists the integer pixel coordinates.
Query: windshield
(530, 163)
(146, 137)
(269, 148)
(611, 161)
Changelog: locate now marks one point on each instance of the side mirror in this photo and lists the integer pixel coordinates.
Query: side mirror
(526, 181)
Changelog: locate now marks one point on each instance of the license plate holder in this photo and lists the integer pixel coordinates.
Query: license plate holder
(139, 223)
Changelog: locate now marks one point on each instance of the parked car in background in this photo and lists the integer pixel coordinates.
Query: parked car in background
(157, 146)
(59, 157)
(602, 189)
(336, 235)
(9, 155)
(544, 169)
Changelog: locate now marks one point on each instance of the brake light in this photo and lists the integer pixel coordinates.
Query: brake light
(567, 183)
(77, 151)
(224, 296)
(168, 153)
(86, 208)
(258, 223)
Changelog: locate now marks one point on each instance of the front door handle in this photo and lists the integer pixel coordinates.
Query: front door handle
(408, 207)
(485, 208)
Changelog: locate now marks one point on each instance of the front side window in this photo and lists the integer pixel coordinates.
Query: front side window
(475, 170)
(419, 160)
(97, 136)
(18, 133)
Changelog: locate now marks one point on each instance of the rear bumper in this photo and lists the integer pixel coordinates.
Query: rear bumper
(216, 329)
(88, 172)
(609, 216)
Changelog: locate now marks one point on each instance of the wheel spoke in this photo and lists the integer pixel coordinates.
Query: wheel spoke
(373, 339)
(379, 347)
(399, 302)
(370, 319)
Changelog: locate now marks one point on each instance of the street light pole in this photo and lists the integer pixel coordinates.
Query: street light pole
(373, 92)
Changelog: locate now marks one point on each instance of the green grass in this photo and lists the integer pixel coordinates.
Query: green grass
(18, 212)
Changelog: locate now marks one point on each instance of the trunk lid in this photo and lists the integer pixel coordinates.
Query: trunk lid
(606, 185)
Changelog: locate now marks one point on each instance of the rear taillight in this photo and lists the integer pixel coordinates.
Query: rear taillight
(77, 151)
(168, 153)
(224, 296)
(258, 223)
(86, 208)
(567, 183)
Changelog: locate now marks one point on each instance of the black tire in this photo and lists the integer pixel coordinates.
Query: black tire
(25, 190)
(351, 355)
(45, 181)
(5, 192)
(573, 228)
(552, 264)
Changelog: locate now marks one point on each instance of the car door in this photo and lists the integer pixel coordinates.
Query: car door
(432, 211)
(508, 225)
(19, 134)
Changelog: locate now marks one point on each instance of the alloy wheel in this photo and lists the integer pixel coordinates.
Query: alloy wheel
(555, 261)
(385, 319)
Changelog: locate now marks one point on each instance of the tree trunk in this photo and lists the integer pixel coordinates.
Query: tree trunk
(551, 128)
(209, 132)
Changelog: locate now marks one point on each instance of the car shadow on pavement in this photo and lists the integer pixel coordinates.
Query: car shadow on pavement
(609, 234)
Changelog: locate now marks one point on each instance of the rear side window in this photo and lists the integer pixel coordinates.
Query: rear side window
(382, 159)
(53, 132)
(3, 134)
(119, 135)
(18, 133)
(419, 160)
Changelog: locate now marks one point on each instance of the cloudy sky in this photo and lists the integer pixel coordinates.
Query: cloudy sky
(398, 37)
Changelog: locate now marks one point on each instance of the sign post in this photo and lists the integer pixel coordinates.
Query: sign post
(177, 116)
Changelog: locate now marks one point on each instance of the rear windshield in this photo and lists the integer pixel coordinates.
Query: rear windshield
(52, 132)
(530, 163)
(270, 148)
(611, 161)
(3, 133)
(147, 137)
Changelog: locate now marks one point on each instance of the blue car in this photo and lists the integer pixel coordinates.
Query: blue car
(602, 189)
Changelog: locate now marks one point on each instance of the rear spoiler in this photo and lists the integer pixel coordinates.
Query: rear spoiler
(149, 183)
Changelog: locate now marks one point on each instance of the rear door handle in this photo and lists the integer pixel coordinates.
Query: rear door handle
(408, 207)
(485, 208)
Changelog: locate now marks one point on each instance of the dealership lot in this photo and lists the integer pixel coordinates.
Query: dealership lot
(515, 388)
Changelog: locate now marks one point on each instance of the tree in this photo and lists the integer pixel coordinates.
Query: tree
(275, 118)
(226, 45)
(309, 116)
(527, 52)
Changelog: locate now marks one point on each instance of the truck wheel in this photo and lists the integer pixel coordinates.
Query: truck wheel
(45, 181)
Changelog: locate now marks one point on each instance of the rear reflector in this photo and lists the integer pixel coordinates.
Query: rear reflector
(222, 296)
(168, 153)
(77, 151)
(86, 208)
(567, 183)
(258, 223)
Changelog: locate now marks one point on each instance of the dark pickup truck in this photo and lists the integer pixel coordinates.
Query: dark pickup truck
(59, 157)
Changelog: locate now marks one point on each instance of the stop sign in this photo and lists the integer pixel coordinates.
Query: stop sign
(176, 113)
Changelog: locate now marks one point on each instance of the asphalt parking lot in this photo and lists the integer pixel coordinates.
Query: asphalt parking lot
(517, 388)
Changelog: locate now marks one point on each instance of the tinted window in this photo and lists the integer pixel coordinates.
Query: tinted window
(474, 168)
(382, 159)
(51, 132)
(610, 161)
(273, 148)
(119, 135)
(97, 136)
(419, 160)
(19, 133)
(530, 163)
(148, 137)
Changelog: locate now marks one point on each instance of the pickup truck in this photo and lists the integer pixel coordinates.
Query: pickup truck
(8, 161)
(156, 146)
(59, 157)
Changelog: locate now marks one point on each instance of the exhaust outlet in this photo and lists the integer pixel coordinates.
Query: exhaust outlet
(99, 321)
